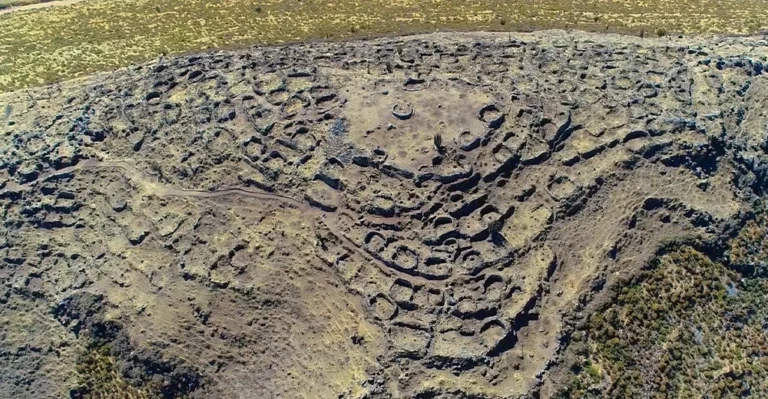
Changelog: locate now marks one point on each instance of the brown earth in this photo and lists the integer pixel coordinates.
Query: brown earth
(412, 217)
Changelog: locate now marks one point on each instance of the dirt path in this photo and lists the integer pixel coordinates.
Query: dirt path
(162, 190)
(159, 189)
(39, 5)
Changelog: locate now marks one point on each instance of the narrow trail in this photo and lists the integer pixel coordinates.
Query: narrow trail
(162, 190)
(130, 171)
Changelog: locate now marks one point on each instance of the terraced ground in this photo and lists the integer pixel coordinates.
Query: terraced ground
(52, 44)
(436, 216)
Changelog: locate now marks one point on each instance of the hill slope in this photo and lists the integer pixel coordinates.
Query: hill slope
(427, 216)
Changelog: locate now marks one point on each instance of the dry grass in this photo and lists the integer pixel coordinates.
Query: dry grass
(15, 3)
(56, 43)
(688, 327)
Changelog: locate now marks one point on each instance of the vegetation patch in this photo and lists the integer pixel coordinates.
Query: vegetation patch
(99, 377)
(686, 327)
(109, 366)
(749, 250)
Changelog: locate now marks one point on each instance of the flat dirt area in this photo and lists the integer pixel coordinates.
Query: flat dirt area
(40, 46)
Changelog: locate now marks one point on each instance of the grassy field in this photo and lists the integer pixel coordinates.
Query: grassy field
(56, 43)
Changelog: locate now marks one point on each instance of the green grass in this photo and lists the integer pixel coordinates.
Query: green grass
(56, 43)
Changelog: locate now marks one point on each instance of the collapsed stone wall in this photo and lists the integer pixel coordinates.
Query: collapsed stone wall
(464, 195)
